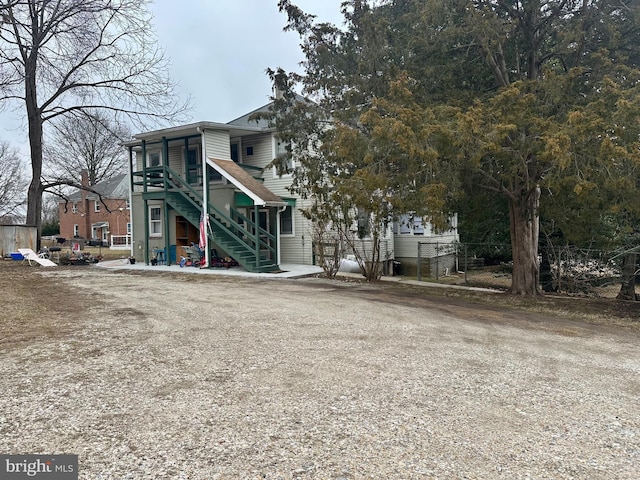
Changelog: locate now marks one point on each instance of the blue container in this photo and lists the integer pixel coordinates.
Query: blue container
(16, 256)
(172, 254)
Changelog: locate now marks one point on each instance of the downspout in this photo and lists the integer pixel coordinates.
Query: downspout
(205, 196)
(278, 249)
(132, 252)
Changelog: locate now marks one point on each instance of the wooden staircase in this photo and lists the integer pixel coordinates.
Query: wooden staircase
(254, 248)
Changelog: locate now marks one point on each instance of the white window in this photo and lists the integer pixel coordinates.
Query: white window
(153, 159)
(280, 149)
(363, 223)
(286, 221)
(74, 207)
(76, 230)
(418, 229)
(155, 221)
(128, 228)
(96, 205)
(412, 226)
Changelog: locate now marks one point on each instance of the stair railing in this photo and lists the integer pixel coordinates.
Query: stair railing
(262, 240)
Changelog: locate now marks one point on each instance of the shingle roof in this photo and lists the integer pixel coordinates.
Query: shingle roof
(244, 121)
(115, 187)
(249, 185)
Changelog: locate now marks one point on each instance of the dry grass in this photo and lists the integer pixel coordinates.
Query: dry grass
(36, 306)
(594, 310)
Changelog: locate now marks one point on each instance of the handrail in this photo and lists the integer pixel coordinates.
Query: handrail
(231, 227)
(251, 223)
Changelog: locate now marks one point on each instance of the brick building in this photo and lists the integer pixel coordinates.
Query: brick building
(98, 217)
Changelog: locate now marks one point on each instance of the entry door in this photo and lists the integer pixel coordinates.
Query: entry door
(194, 168)
(263, 222)
(263, 218)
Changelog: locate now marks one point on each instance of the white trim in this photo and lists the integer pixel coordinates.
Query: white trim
(152, 222)
(275, 152)
(205, 197)
(293, 222)
(237, 141)
(256, 199)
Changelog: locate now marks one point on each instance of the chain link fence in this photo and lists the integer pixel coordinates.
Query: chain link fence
(566, 270)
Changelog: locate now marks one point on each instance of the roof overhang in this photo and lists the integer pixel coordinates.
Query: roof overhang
(192, 129)
(248, 185)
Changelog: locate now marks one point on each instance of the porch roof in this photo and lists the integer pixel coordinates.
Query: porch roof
(260, 194)
(193, 129)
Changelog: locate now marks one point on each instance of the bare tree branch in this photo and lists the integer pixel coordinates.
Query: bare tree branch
(65, 57)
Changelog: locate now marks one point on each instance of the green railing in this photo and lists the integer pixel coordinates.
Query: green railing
(242, 231)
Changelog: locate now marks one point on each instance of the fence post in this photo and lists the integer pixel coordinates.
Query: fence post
(437, 261)
(559, 270)
(466, 263)
(419, 272)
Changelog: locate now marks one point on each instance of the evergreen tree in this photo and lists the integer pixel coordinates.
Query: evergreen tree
(528, 99)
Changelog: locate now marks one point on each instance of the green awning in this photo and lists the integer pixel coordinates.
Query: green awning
(243, 200)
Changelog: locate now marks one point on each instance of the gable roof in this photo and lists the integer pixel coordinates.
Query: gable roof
(251, 187)
(244, 120)
(116, 187)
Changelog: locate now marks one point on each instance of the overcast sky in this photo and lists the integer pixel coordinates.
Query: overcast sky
(219, 51)
(221, 48)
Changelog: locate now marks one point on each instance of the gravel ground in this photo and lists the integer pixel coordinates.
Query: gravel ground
(161, 377)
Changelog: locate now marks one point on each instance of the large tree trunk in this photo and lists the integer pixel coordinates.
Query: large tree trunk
(628, 277)
(524, 228)
(34, 118)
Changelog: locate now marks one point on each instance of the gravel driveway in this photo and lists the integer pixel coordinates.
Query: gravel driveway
(167, 377)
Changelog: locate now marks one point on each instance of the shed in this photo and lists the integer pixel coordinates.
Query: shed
(13, 237)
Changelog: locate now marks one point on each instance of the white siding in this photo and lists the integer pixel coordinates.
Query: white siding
(175, 160)
(262, 151)
(298, 248)
(272, 181)
(218, 144)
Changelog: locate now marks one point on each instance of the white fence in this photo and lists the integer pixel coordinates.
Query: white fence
(120, 242)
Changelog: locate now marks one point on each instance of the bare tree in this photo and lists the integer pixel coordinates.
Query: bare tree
(59, 57)
(12, 184)
(89, 141)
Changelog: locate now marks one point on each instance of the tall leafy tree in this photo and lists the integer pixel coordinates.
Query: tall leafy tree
(346, 186)
(64, 56)
(502, 82)
(548, 60)
(597, 201)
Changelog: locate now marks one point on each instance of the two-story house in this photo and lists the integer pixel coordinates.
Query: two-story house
(253, 218)
(98, 216)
